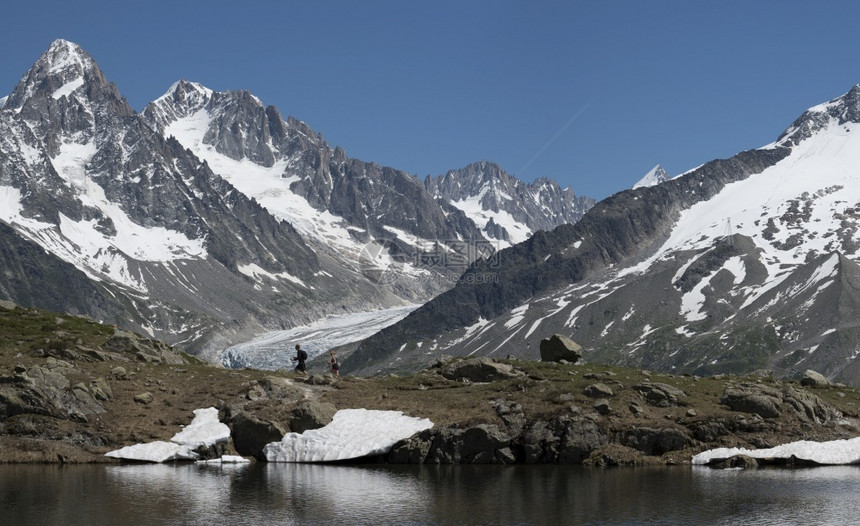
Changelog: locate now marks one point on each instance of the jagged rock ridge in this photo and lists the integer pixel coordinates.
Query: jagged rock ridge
(506, 208)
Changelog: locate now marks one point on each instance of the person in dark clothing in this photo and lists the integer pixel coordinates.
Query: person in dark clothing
(335, 367)
(300, 357)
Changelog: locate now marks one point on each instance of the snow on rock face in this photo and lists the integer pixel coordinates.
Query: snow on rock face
(204, 431)
(352, 433)
(158, 451)
(655, 176)
(830, 453)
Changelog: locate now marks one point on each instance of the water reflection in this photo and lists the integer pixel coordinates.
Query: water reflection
(233, 494)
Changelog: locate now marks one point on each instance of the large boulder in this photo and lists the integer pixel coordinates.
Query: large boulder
(479, 369)
(813, 379)
(808, 407)
(311, 415)
(770, 402)
(763, 401)
(481, 444)
(250, 434)
(560, 348)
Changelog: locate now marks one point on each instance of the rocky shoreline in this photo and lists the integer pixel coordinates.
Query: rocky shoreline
(72, 390)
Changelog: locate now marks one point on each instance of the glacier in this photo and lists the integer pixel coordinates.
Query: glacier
(273, 350)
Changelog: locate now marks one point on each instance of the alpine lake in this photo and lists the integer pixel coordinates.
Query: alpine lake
(269, 493)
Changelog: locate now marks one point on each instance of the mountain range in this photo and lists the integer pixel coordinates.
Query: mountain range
(742, 264)
(208, 217)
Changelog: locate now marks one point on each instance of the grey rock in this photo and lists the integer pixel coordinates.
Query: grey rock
(46, 390)
(479, 369)
(511, 414)
(481, 444)
(413, 450)
(563, 440)
(558, 348)
(808, 407)
(660, 394)
(255, 393)
(321, 379)
(814, 379)
(763, 402)
(602, 406)
(580, 438)
(280, 388)
(311, 415)
(144, 349)
(250, 434)
(144, 398)
(101, 389)
(541, 442)
(656, 441)
(737, 461)
(636, 409)
(709, 430)
(598, 390)
(770, 402)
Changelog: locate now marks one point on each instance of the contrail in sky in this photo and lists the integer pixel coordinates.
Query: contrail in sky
(554, 137)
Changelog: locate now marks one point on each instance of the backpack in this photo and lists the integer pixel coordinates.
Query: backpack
(303, 355)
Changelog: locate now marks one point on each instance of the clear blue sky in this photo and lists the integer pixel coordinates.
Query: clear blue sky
(592, 94)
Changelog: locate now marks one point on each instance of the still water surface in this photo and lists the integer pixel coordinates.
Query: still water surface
(259, 494)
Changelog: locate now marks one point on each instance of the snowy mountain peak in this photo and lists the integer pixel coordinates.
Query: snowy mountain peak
(65, 70)
(182, 99)
(504, 208)
(60, 70)
(839, 111)
(654, 176)
(63, 55)
(184, 90)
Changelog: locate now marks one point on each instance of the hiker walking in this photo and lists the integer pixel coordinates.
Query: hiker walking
(300, 357)
(335, 367)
